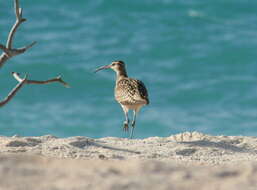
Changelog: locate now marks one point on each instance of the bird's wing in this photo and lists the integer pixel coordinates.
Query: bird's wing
(143, 91)
(131, 91)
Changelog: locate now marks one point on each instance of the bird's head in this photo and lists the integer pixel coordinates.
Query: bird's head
(117, 66)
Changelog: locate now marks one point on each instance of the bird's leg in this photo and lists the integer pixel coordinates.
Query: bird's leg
(126, 122)
(133, 123)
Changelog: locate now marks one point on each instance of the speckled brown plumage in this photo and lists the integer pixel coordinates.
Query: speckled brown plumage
(130, 91)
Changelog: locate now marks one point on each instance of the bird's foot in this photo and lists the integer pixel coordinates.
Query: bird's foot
(133, 124)
(125, 127)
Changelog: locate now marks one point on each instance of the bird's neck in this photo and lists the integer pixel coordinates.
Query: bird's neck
(121, 73)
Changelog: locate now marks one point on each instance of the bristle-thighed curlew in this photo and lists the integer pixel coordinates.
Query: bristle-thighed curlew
(130, 93)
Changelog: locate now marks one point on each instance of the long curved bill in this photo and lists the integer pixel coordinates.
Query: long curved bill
(101, 68)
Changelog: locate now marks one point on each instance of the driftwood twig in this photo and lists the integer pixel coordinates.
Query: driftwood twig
(56, 79)
(14, 91)
(8, 50)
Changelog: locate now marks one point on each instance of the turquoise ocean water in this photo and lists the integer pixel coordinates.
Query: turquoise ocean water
(196, 57)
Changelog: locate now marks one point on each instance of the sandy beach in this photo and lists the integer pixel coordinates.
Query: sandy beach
(184, 161)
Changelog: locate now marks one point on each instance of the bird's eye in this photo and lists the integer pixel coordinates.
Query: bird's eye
(113, 64)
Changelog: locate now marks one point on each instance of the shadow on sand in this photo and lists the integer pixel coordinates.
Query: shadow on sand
(224, 145)
(90, 142)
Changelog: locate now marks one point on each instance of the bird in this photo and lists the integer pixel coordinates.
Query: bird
(130, 93)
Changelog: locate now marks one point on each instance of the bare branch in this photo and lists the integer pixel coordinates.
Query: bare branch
(28, 46)
(19, 20)
(17, 76)
(18, 51)
(8, 51)
(26, 81)
(5, 50)
(13, 92)
(3, 58)
(56, 79)
(17, 8)
(12, 32)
